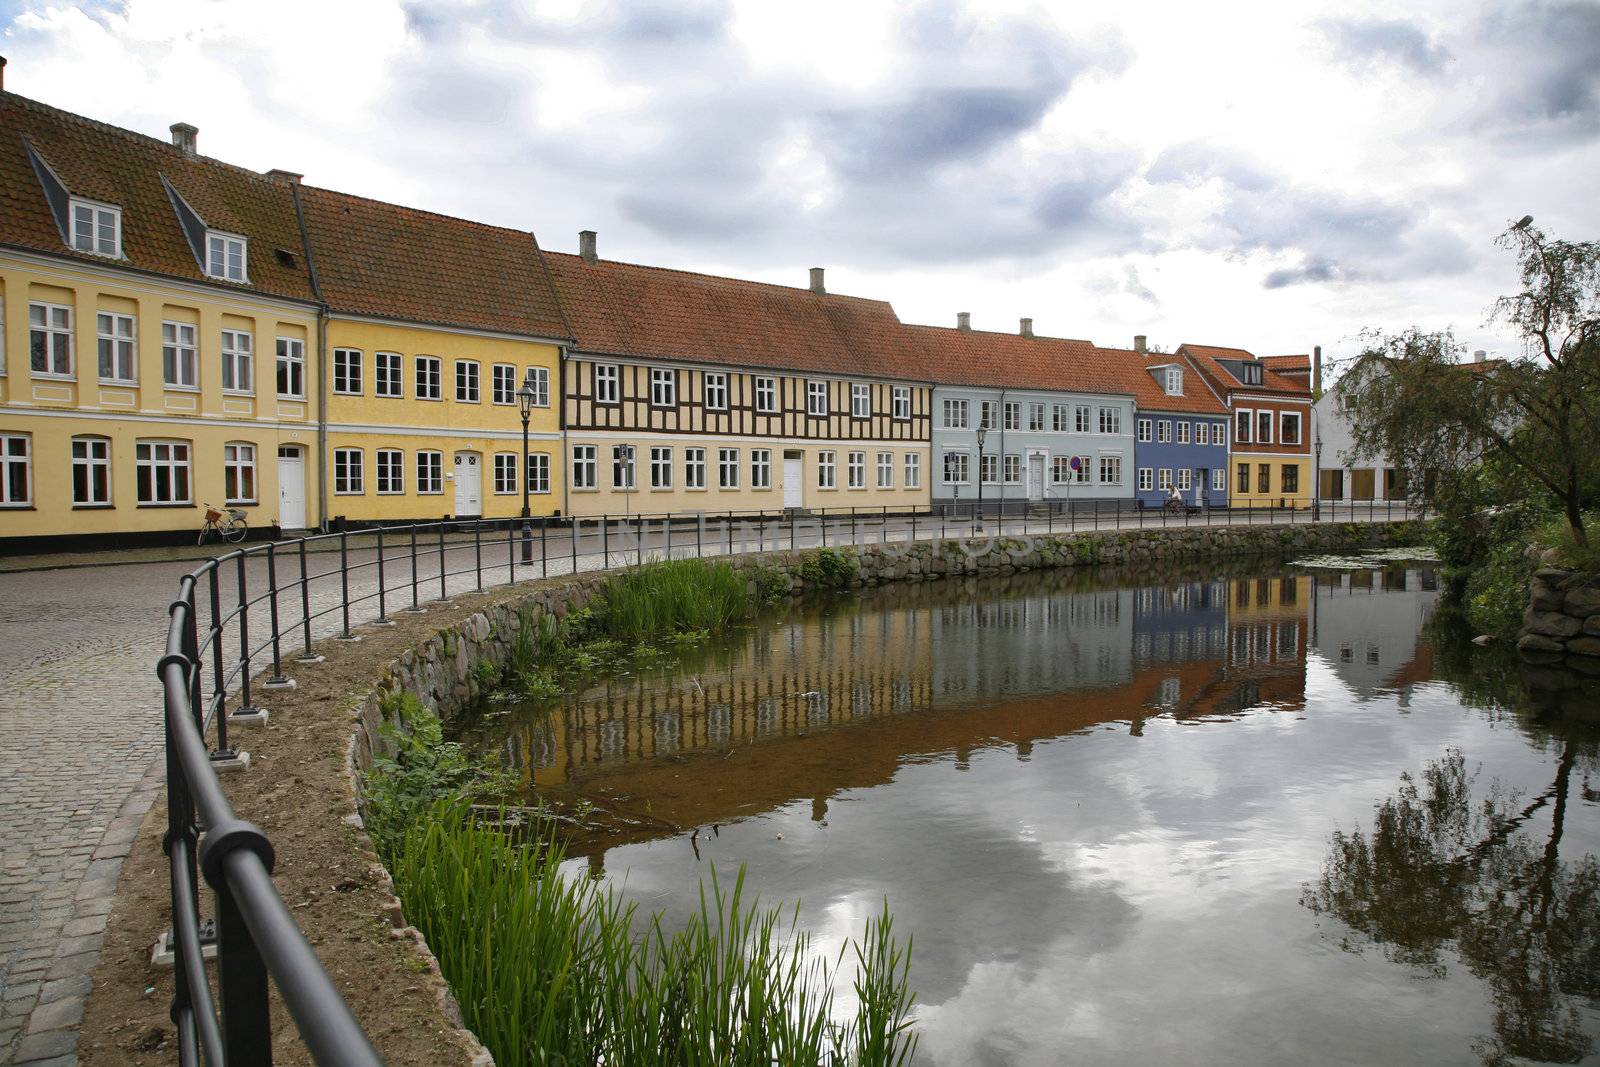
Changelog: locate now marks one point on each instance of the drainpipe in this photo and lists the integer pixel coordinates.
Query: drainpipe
(1002, 464)
(562, 353)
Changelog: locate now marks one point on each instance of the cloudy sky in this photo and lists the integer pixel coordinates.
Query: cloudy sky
(1267, 175)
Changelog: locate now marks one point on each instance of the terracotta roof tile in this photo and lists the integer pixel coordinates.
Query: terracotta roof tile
(1206, 358)
(1010, 360)
(116, 166)
(1150, 394)
(389, 261)
(627, 310)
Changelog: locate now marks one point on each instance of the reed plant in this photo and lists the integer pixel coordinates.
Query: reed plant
(551, 969)
(670, 597)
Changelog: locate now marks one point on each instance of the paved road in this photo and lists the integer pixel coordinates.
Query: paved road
(80, 726)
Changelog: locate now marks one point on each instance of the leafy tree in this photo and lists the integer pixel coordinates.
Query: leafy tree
(1408, 396)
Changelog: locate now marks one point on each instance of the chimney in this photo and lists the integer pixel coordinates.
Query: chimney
(2, 74)
(288, 176)
(1138, 343)
(816, 282)
(1316, 372)
(184, 137)
(1027, 328)
(586, 248)
(1480, 356)
(963, 320)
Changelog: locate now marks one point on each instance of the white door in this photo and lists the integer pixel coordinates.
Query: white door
(794, 476)
(1035, 477)
(291, 488)
(469, 485)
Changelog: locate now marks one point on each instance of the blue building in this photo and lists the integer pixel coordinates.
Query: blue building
(1180, 430)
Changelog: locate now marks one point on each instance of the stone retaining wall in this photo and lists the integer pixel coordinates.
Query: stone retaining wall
(1562, 621)
(444, 672)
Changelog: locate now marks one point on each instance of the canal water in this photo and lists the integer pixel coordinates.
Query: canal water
(1264, 816)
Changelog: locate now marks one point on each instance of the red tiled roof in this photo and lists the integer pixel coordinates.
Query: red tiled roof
(1288, 363)
(395, 262)
(623, 309)
(101, 162)
(1010, 360)
(1150, 394)
(1206, 357)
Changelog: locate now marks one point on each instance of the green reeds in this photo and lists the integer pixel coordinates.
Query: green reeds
(673, 596)
(556, 970)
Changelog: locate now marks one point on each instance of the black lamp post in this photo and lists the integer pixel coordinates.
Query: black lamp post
(1316, 482)
(525, 399)
(983, 431)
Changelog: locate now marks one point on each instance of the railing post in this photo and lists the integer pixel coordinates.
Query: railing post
(544, 558)
(306, 655)
(641, 540)
(344, 583)
(443, 597)
(414, 605)
(246, 707)
(242, 985)
(605, 544)
(573, 542)
(511, 550)
(477, 550)
(180, 816)
(277, 678)
(729, 522)
(219, 695)
(383, 599)
(791, 529)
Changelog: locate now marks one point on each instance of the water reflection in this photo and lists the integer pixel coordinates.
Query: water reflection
(1104, 803)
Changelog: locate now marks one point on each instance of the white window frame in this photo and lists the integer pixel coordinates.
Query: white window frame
(291, 352)
(1267, 438)
(660, 467)
(16, 461)
(1011, 415)
(347, 372)
(913, 471)
(1244, 426)
(1174, 383)
(1185, 479)
(1181, 432)
(52, 332)
(180, 352)
(117, 342)
(607, 383)
(663, 387)
(430, 472)
(349, 472)
(1082, 418)
(585, 467)
(427, 376)
(956, 413)
(989, 468)
(714, 391)
(388, 375)
(1164, 431)
(1011, 468)
(885, 470)
(538, 468)
(816, 399)
(389, 472)
(503, 384)
(958, 463)
(238, 466)
(220, 255)
(727, 468)
(539, 378)
(1219, 479)
(1058, 418)
(860, 400)
(505, 469)
(1143, 428)
(827, 470)
(1147, 479)
(856, 470)
(1283, 417)
(469, 382)
(694, 468)
(986, 415)
(1110, 420)
(238, 362)
(900, 398)
(1036, 416)
(174, 457)
(1202, 433)
(95, 241)
(1164, 479)
(1114, 469)
(761, 468)
(766, 395)
(1061, 470)
(96, 458)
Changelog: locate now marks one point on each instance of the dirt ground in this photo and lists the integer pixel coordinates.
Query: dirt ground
(297, 790)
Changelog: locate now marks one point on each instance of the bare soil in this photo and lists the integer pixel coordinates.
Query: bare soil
(297, 789)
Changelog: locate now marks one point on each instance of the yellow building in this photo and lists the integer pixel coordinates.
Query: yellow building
(433, 325)
(157, 336)
(687, 392)
(1270, 407)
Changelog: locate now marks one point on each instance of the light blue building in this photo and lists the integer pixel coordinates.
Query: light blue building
(1056, 414)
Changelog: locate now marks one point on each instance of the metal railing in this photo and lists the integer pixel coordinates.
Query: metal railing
(239, 614)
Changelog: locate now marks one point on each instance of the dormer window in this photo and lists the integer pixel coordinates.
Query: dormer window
(225, 256)
(1252, 374)
(96, 228)
(1174, 381)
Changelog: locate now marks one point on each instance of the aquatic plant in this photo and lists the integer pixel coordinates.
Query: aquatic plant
(672, 596)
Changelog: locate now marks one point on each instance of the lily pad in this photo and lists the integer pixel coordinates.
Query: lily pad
(1368, 560)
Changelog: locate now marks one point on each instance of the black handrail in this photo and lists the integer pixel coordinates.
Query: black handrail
(255, 933)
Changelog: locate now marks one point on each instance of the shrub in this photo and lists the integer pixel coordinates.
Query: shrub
(1557, 534)
(828, 568)
(1495, 592)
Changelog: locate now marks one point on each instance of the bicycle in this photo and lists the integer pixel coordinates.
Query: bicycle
(230, 525)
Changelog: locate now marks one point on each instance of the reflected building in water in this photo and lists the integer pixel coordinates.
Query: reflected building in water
(1368, 627)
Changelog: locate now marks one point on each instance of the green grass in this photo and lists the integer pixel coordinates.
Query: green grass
(671, 597)
(557, 970)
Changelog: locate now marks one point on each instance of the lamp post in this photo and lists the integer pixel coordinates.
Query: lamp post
(525, 399)
(983, 432)
(1316, 482)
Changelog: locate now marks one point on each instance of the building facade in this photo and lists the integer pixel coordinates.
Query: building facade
(1270, 414)
(1180, 431)
(157, 334)
(691, 393)
(424, 361)
(1057, 420)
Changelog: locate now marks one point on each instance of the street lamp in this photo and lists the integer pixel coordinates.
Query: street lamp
(525, 399)
(983, 431)
(1316, 482)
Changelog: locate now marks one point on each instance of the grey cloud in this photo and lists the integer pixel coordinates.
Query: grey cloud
(934, 126)
(1194, 162)
(1546, 64)
(1394, 40)
(1315, 269)
(647, 23)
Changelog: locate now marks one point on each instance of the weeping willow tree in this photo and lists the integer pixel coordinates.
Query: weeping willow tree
(1409, 397)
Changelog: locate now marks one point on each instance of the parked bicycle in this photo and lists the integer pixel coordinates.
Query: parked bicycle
(230, 525)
